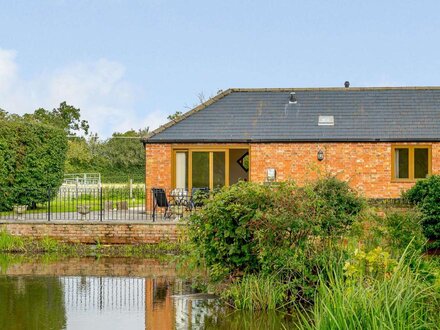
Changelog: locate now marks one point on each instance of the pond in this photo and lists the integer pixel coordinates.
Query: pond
(112, 293)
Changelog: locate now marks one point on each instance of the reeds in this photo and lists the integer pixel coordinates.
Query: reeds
(10, 243)
(257, 293)
(403, 300)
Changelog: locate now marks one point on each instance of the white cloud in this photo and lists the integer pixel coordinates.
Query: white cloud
(100, 89)
(8, 69)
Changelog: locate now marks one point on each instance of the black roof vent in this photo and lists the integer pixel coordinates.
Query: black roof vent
(292, 98)
(347, 84)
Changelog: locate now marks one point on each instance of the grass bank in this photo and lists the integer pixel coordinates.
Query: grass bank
(27, 246)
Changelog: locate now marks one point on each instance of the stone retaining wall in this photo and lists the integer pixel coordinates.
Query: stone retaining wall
(91, 233)
(92, 267)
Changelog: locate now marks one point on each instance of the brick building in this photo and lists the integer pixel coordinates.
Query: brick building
(380, 140)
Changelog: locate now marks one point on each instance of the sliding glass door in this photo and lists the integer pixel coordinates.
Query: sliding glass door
(218, 169)
(201, 169)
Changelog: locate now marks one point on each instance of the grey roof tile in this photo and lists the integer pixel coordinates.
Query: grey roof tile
(361, 114)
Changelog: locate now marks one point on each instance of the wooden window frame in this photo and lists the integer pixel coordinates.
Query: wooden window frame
(189, 148)
(411, 149)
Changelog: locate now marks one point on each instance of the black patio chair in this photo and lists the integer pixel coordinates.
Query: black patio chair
(160, 201)
(198, 195)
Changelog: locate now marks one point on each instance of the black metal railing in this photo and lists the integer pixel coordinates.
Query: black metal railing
(98, 204)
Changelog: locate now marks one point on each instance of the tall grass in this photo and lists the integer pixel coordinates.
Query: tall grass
(10, 243)
(257, 292)
(403, 300)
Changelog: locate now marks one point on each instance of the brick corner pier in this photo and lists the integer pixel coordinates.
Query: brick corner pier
(94, 232)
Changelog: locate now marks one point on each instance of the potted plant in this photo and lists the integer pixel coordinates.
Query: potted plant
(19, 210)
(83, 210)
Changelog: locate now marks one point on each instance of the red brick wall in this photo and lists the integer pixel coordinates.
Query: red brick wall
(158, 159)
(366, 166)
(158, 165)
(91, 233)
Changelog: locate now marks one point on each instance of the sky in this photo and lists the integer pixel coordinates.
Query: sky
(129, 64)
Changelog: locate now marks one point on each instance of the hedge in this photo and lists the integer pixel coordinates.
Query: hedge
(32, 157)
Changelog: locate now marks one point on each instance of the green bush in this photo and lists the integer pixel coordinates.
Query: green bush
(395, 230)
(404, 231)
(220, 230)
(426, 195)
(282, 229)
(419, 191)
(339, 204)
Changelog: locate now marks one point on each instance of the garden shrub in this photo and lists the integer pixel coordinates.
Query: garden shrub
(374, 264)
(404, 231)
(339, 205)
(426, 195)
(396, 230)
(295, 235)
(281, 229)
(419, 191)
(220, 230)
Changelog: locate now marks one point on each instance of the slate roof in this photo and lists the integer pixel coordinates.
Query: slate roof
(265, 115)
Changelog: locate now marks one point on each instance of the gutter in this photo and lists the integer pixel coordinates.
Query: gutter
(148, 141)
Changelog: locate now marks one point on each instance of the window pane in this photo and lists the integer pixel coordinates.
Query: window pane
(401, 165)
(219, 169)
(200, 169)
(420, 163)
(182, 170)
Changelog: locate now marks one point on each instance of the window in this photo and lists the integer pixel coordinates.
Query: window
(410, 162)
(181, 169)
(198, 168)
(208, 166)
(243, 161)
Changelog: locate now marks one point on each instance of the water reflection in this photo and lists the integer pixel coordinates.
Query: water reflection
(31, 303)
(107, 302)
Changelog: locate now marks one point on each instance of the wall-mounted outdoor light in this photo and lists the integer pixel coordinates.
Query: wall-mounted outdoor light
(271, 174)
(320, 155)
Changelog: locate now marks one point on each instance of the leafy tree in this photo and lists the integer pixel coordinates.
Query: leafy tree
(125, 149)
(117, 159)
(66, 117)
(79, 155)
(3, 114)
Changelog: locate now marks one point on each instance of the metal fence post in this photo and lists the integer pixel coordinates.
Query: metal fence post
(100, 203)
(48, 204)
(154, 206)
